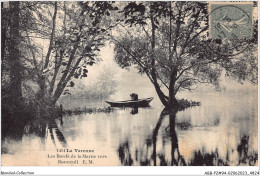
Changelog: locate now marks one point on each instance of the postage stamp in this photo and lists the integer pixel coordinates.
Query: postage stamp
(230, 20)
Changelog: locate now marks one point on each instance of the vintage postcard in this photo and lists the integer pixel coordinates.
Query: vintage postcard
(129, 83)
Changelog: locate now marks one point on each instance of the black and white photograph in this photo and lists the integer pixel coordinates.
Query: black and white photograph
(129, 83)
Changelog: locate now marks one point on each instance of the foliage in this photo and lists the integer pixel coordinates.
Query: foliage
(168, 41)
(183, 104)
(56, 43)
(104, 85)
(59, 41)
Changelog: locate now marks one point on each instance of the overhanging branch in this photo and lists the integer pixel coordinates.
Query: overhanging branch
(135, 58)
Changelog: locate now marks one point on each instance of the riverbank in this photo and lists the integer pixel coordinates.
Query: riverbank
(88, 110)
(183, 104)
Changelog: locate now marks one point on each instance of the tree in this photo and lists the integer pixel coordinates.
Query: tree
(168, 41)
(77, 31)
(102, 86)
(14, 61)
(13, 113)
(74, 32)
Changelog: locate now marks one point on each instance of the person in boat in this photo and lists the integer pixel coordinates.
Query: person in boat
(134, 96)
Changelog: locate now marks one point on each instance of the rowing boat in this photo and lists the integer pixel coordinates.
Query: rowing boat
(131, 103)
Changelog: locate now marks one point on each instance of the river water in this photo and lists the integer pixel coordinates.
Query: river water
(222, 131)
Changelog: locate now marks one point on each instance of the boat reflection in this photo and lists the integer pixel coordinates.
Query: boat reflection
(134, 110)
(142, 137)
(147, 156)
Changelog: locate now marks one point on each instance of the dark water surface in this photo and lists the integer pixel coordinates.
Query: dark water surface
(222, 131)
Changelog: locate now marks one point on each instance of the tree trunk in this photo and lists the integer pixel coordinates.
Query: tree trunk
(3, 34)
(153, 71)
(15, 65)
(160, 94)
(172, 103)
(52, 35)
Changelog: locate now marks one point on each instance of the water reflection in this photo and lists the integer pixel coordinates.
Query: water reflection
(211, 134)
(149, 155)
(46, 128)
(201, 158)
(244, 156)
(125, 154)
(134, 110)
